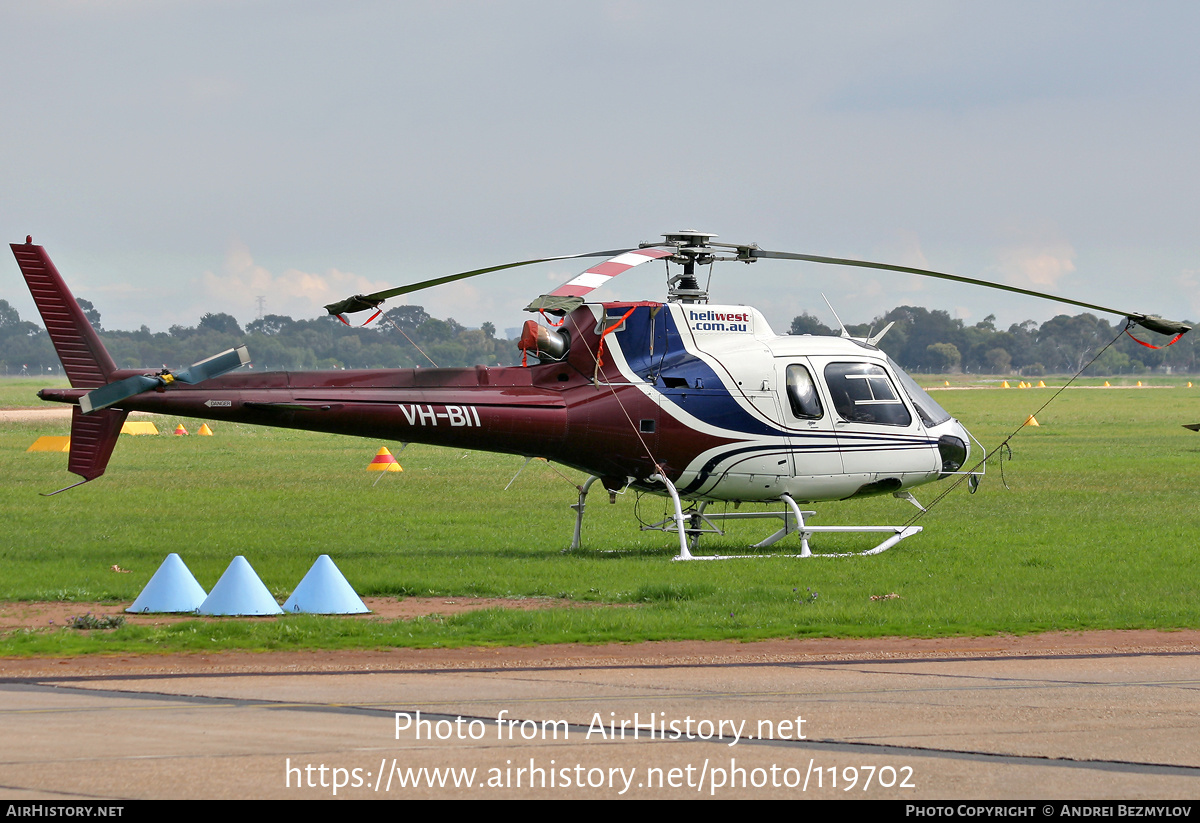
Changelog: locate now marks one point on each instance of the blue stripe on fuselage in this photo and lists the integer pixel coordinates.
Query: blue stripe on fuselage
(665, 355)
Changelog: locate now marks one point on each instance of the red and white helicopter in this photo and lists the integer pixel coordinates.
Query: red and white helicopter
(694, 401)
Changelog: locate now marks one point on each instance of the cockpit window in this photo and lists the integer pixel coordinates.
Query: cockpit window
(931, 413)
(863, 393)
(802, 393)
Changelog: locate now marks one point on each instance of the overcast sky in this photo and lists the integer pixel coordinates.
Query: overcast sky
(178, 158)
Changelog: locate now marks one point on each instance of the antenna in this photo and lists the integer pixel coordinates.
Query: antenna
(845, 333)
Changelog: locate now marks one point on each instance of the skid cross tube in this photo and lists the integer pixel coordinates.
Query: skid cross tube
(794, 520)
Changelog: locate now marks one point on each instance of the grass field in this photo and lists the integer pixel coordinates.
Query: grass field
(1098, 528)
(21, 392)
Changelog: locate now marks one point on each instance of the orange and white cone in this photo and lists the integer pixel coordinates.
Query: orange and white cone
(384, 462)
(180, 429)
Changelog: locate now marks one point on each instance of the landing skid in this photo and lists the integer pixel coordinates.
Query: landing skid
(703, 523)
(694, 522)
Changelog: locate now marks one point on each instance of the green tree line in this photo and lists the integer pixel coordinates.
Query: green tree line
(920, 340)
(934, 342)
(407, 337)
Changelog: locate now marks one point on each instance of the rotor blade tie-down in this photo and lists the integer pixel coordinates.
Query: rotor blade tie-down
(1005, 444)
(388, 319)
(549, 321)
(600, 347)
(1151, 345)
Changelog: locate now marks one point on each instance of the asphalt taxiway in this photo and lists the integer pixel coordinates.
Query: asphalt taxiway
(1100, 715)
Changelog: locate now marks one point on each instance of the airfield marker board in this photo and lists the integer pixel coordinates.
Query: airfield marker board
(49, 443)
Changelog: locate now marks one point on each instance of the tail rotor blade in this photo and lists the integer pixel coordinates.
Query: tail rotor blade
(114, 393)
(214, 366)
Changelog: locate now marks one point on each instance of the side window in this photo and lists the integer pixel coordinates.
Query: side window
(863, 393)
(802, 393)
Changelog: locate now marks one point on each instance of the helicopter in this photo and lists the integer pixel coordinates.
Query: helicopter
(689, 400)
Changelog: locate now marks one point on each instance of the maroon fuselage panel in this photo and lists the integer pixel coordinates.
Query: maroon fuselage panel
(612, 430)
(571, 412)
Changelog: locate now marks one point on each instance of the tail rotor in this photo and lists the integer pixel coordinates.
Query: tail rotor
(114, 393)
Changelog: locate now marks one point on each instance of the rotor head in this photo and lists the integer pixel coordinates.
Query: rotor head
(692, 248)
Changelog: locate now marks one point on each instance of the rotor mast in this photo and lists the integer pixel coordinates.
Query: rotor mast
(692, 248)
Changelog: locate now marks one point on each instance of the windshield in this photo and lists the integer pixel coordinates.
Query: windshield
(931, 413)
(862, 393)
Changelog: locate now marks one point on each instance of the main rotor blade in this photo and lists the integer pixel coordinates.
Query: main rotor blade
(569, 295)
(1150, 321)
(362, 302)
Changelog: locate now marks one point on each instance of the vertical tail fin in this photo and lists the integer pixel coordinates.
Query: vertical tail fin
(84, 358)
(93, 437)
